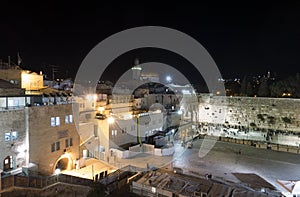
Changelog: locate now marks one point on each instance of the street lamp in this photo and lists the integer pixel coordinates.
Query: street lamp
(179, 112)
(110, 120)
(169, 78)
(101, 109)
(57, 171)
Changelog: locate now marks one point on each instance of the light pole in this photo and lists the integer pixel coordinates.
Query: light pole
(57, 172)
(138, 129)
(110, 121)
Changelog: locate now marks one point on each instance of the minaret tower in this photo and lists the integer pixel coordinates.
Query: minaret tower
(136, 70)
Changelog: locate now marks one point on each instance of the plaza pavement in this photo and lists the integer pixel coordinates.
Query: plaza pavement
(223, 160)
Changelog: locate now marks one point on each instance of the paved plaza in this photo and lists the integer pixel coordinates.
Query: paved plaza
(222, 162)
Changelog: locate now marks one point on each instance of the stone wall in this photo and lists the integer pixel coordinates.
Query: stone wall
(280, 114)
(11, 74)
(58, 185)
(12, 121)
(43, 135)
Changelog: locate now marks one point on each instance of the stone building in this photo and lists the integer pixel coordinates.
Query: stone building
(53, 138)
(22, 79)
(43, 136)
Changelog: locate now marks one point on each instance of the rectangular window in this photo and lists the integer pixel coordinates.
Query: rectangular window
(67, 143)
(71, 142)
(67, 119)
(7, 137)
(114, 132)
(57, 121)
(52, 121)
(14, 135)
(57, 145)
(70, 118)
(52, 147)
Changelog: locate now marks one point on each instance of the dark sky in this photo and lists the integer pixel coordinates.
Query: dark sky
(242, 39)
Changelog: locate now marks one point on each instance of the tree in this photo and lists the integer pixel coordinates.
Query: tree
(244, 84)
(249, 90)
(263, 89)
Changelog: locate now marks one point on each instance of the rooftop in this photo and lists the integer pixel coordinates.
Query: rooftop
(189, 186)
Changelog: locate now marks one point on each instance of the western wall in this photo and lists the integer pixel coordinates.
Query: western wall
(256, 113)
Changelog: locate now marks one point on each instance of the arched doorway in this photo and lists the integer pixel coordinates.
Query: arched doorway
(64, 162)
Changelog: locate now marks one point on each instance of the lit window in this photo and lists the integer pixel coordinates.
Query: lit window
(52, 147)
(67, 119)
(7, 137)
(70, 118)
(71, 142)
(57, 145)
(14, 135)
(52, 121)
(114, 132)
(57, 121)
(67, 143)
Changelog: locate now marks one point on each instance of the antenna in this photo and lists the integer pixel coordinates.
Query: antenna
(54, 69)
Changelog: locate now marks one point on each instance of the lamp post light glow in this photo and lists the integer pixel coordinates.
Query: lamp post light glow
(101, 109)
(169, 78)
(110, 120)
(57, 171)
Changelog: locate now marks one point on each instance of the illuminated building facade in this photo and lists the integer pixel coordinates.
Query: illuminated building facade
(41, 136)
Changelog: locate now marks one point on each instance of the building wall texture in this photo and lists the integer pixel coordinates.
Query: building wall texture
(281, 114)
(12, 121)
(43, 135)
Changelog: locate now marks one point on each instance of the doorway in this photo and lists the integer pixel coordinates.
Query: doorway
(8, 163)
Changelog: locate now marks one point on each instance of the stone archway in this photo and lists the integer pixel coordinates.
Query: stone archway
(64, 162)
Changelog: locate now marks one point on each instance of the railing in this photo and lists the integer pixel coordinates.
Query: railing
(262, 144)
(120, 174)
(12, 108)
(41, 182)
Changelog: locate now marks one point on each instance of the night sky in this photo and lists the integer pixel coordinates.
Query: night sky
(248, 39)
